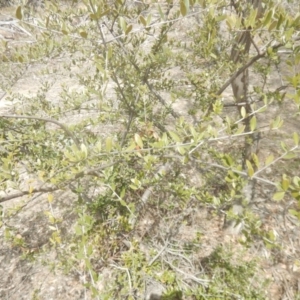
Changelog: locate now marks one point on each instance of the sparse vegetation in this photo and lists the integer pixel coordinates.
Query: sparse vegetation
(129, 147)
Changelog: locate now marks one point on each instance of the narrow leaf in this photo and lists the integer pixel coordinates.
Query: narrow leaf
(149, 18)
(123, 24)
(183, 8)
(253, 123)
(162, 15)
(231, 21)
(84, 150)
(268, 18)
(19, 14)
(272, 26)
(296, 138)
(30, 189)
(285, 183)
(243, 112)
(108, 144)
(128, 29)
(255, 159)
(143, 21)
(250, 168)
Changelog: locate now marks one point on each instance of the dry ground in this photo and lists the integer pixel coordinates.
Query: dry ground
(25, 279)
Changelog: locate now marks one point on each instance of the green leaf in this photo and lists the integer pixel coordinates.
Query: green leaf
(162, 15)
(290, 155)
(123, 24)
(295, 213)
(128, 29)
(243, 112)
(99, 146)
(174, 136)
(250, 168)
(93, 17)
(194, 132)
(285, 183)
(228, 160)
(149, 18)
(253, 123)
(268, 18)
(108, 144)
(133, 187)
(102, 14)
(272, 26)
(64, 29)
(123, 203)
(262, 109)
(250, 21)
(277, 123)
(183, 8)
(217, 107)
(296, 138)
(296, 181)
(84, 150)
(231, 21)
(241, 129)
(164, 139)
(283, 146)
(279, 22)
(89, 250)
(83, 34)
(181, 150)
(269, 159)
(19, 14)
(278, 196)
(255, 159)
(143, 21)
(122, 194)
(187, 5)
(99, 14)
(138, 140)
(50, 198)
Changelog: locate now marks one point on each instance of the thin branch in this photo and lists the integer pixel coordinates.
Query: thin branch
(91, 171)
(62, 126)
(99, 26)
(246, 66)
(24, 193)
(158, 254)
(203, 282)
(240, 71)
(281, 88)
(276, 160)
(128, 274)
(239, 172)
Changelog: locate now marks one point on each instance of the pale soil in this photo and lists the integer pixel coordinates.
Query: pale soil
(25, 279)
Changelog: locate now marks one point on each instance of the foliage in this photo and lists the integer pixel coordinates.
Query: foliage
(119, 143)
